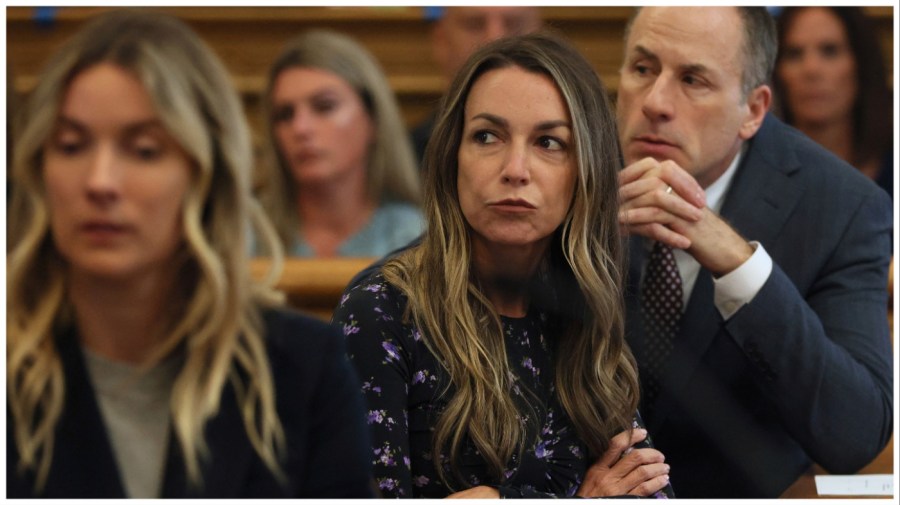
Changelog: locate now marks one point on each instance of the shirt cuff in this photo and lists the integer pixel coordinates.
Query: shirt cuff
(737, 288)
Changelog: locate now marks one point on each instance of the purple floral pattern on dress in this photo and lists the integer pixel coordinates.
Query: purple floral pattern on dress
(404, 381)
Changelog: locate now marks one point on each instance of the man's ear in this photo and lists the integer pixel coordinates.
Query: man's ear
(758, 101)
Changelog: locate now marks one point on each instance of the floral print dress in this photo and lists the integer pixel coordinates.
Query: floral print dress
(404, 385)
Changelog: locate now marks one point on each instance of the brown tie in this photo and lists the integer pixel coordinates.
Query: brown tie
(661, 302)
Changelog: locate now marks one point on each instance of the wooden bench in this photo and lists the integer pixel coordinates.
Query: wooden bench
(314, 285)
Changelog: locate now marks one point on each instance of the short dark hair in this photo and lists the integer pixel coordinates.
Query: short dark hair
(760, 45)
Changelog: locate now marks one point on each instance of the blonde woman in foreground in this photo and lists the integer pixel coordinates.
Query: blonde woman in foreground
(142, 360)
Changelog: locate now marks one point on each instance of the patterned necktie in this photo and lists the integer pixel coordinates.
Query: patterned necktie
(661, 302)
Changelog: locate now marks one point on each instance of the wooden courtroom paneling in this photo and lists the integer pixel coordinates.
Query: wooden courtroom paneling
(249, 38)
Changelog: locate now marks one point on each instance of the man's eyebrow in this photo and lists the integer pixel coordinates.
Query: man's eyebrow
(694, 68)
(646, 53)
(697, 68)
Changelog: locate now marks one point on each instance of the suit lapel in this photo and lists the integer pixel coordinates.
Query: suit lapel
(83, 461)
(764, 192)
(225, 469)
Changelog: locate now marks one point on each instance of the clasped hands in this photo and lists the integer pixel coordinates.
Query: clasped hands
(678, 216)
(622, 470)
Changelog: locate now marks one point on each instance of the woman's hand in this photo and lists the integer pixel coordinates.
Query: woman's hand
(624, 470)
(477, 492)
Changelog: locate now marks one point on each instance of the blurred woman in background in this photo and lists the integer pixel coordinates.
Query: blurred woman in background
(831, 84)
(142, 359)
(341, 178)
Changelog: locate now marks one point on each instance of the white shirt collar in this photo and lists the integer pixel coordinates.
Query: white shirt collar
(715, 192)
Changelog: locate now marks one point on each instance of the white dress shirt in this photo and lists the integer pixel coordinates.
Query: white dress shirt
(738, 287)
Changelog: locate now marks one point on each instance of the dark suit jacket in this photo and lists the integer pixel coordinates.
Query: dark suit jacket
(803, 373)
(318, 401)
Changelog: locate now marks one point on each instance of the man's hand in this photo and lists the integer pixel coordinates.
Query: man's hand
(662, 201)
(623, 470)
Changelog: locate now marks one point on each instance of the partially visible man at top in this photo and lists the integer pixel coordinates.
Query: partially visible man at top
(757, 307)
(456, 34)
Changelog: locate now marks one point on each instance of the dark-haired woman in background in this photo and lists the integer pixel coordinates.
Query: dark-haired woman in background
(831, 84)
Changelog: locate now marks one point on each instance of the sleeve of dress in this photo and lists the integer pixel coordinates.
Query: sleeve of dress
(370, 320)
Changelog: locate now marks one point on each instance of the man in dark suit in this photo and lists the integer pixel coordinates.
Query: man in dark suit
(773, 350)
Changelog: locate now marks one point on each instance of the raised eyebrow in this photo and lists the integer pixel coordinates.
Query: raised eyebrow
(497, 120)
(549, 125)
(645, 53)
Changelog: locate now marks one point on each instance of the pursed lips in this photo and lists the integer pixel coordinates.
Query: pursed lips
(513, 203)
(103, 226)
(306, 155)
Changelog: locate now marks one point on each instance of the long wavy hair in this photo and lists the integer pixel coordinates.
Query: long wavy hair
(219, 326)
(872, 108)
(391, 174)
(579, 284)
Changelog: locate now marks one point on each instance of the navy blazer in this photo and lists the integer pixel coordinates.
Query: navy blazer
(803, 373)
(318, 401)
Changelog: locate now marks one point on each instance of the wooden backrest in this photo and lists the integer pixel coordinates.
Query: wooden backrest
(314, 285)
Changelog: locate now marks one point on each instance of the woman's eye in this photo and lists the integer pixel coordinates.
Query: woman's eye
(282, 114)
(145, 147)
(792, 54)
(324, 106)
(68, 147)
(484, 137)
(67, 142)
(551, 143)
(830, 50)
(147, 152)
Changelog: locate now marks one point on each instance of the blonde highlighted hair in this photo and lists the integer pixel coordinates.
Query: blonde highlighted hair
(391, 175)
(578, 284)
(220, 326)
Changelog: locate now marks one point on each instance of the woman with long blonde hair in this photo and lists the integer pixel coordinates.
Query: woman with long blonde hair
(142, 359)
(492, 353)
(339, 173)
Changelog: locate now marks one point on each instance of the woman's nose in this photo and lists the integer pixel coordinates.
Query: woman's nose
(515, 167)
(103, 181)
